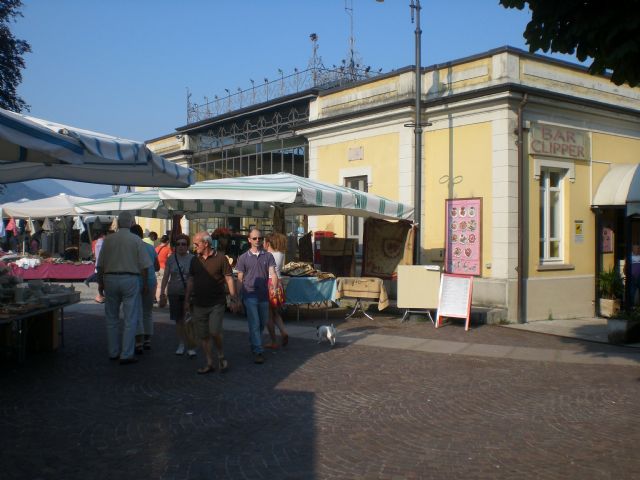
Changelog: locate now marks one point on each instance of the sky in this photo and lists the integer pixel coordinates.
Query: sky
(123, 67)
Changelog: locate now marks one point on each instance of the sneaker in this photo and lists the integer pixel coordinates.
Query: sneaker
(192, 353)
(180, 350)
(259, 359)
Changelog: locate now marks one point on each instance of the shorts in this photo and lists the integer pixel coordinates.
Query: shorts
(207, 320)
(176, 307)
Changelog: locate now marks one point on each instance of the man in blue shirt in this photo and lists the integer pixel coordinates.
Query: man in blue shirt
(254, 267)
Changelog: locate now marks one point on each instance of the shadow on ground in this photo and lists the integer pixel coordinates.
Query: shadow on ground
(76, 414)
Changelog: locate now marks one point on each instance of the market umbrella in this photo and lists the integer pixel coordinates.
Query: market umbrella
(31, 148)
(261, 194)
(55, 206)
(144, 203)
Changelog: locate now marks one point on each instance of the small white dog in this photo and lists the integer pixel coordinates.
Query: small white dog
(328, 333)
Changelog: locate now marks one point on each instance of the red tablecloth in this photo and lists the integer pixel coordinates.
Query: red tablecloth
(52, 271)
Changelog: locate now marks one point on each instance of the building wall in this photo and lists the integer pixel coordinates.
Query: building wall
(376, 154)
(470, 150)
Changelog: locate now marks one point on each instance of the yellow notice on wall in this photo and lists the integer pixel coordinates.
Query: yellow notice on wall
(578, 226)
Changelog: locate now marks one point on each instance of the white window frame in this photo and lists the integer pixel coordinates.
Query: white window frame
(363, 185)
(545, 199)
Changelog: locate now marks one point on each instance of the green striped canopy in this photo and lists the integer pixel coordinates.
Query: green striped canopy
(146, 203)
(298, 195)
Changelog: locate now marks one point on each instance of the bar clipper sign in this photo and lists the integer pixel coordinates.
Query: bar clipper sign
(553, 141)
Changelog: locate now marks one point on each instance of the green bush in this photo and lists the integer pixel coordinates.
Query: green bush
(610, 284)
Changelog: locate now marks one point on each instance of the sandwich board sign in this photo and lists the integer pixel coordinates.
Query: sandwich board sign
(454, 299)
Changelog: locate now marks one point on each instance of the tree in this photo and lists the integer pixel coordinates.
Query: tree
(11, 61)
(608, 32)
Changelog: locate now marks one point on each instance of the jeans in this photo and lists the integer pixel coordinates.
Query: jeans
(125, 290)
(257, 318)
(145, 327)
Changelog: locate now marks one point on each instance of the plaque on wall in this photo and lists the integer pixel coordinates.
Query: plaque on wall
(463, 236)
(607, 240)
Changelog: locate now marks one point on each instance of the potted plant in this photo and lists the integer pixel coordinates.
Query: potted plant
(624, 327)
(610, 287)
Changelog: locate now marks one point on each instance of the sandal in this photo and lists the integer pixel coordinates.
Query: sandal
(223, 365)
(207, 369)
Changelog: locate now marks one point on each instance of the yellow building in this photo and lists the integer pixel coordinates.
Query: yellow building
(574, 128)
(536, 139)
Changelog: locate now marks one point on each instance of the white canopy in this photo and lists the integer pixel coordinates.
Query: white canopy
(298, 195)
(56, 206)
(620, 186)
(31, 148)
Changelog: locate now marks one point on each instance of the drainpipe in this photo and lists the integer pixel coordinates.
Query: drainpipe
(522, 178)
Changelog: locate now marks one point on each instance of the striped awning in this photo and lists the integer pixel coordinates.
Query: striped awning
(298, 195)
(146, 203)
(31, 148)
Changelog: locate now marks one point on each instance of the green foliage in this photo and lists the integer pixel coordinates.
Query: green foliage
(11, 61)
(606, 31)
(610, 284)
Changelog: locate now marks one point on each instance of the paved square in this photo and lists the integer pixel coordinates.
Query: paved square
(315, 412)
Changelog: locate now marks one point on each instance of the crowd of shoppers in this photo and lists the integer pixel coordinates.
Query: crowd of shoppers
(198, 288)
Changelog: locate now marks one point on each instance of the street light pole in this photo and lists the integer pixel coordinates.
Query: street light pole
(417, 130)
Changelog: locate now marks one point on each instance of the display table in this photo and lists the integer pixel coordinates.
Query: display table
(309, 291)
(46, 320)
(362, 288)
(54, 271)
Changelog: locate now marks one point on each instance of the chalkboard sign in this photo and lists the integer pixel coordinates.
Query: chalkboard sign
(454, 299)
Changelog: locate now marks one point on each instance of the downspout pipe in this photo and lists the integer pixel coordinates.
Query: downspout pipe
(522, 178)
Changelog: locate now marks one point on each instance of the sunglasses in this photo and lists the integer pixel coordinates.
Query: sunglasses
(257, 238)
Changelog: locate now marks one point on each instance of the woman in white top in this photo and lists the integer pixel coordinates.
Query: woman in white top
(276, 243)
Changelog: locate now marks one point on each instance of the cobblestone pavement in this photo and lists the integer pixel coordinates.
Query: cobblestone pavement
(316, 412)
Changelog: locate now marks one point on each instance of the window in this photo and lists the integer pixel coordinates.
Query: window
(355, 225)
(551, 235)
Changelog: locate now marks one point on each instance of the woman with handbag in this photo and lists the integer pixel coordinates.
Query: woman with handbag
(172, 288)
(276, 244)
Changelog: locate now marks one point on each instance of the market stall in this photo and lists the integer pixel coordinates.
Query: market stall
(32, 314)
(32, 148)
(66, 271)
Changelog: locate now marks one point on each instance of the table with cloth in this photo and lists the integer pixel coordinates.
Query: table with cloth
(309, 291)
(54, 271)
(360, 288)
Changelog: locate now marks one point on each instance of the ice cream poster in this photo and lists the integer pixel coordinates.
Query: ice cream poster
(463, 236)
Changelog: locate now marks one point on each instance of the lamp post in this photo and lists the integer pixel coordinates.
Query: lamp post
(417, 125)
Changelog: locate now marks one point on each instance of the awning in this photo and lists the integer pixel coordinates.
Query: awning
(31, 148)
(297, 195)
(56, 206)
(620, 186)
(145, 203)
